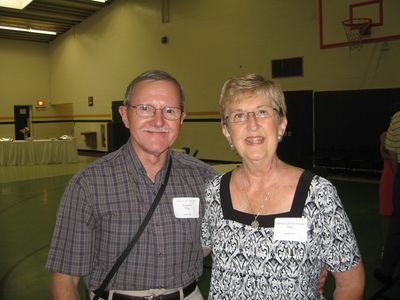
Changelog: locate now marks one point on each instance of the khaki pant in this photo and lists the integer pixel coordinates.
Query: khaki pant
(195, 295)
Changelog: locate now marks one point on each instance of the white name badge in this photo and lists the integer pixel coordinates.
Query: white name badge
(186, 207)
(290, 229)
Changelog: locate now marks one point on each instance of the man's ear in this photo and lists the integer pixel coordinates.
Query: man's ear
(183, 116)
(123, 112)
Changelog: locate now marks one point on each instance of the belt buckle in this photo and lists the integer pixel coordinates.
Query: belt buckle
(150, 297)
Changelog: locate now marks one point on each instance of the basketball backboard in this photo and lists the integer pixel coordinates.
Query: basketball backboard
(383, 13)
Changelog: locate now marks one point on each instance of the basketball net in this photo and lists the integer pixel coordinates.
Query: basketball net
(355, 30)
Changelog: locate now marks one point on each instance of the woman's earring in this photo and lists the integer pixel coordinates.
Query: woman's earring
(232, 146)
(279, 138)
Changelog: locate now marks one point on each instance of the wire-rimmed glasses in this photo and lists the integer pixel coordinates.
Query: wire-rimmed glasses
(148, 111)
(242, 116)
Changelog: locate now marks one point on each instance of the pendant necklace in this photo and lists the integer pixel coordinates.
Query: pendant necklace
(254, 223)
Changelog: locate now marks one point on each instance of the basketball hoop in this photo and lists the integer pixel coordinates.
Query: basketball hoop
(356, 29)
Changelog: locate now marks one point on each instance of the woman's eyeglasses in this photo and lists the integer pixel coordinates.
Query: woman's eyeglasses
(242, 116)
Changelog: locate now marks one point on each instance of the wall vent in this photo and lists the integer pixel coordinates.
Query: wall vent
(287, 67)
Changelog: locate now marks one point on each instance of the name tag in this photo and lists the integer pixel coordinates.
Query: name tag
(290, 229)
(186, 207)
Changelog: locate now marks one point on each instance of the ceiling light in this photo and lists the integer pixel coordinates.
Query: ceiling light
(18, 4)
(28, 30)
(40, 103)
(102, 1)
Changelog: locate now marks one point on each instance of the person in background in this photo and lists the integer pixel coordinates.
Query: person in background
(385, 189)
(270, 226)
(104, 204)
(391, 253)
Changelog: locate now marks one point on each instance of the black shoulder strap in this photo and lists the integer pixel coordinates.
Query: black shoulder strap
(301, 193)
(99, 292)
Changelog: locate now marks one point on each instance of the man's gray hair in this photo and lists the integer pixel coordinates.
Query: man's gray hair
(154, 75)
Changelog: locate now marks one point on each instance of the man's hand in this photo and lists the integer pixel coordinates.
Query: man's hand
(206, 251)
(323, 275)
(64, 287)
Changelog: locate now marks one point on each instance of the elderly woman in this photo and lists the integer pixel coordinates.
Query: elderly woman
(271, 226)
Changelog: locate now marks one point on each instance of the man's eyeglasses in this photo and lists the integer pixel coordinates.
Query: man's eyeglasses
(242, 116)
(148, 111)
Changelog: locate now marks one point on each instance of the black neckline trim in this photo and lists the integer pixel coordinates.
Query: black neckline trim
(296, 210)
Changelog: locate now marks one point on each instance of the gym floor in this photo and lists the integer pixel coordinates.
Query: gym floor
(30, 196)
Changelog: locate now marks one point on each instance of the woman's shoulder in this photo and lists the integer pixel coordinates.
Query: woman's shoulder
(298, 175)
(322, 189)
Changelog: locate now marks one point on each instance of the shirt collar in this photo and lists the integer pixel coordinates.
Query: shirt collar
(135, 165)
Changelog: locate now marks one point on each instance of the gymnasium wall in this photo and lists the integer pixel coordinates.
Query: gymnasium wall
(24, 77)
(208, 42)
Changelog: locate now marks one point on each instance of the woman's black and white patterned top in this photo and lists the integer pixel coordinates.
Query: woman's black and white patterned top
(249, 264)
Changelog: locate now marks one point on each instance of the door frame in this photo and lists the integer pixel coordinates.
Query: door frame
(22, 120)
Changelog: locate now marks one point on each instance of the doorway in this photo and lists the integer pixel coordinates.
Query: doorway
(22, 122)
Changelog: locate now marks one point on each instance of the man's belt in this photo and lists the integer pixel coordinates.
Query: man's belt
(173, 296)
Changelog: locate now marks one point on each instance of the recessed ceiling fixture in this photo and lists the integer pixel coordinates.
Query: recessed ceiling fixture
(18, 4)
(57, 16)
(28, 30)
(102, 1)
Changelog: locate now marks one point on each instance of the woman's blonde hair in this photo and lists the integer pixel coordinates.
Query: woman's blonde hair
(239, 88)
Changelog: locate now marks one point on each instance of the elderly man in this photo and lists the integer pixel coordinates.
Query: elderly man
(105, 203)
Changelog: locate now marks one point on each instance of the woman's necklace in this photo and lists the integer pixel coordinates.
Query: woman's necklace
(254, 223)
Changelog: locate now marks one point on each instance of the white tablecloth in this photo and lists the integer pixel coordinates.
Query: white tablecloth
(38, 152)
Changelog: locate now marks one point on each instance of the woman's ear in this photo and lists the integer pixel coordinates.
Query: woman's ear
(282, 126)
(225, 132)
